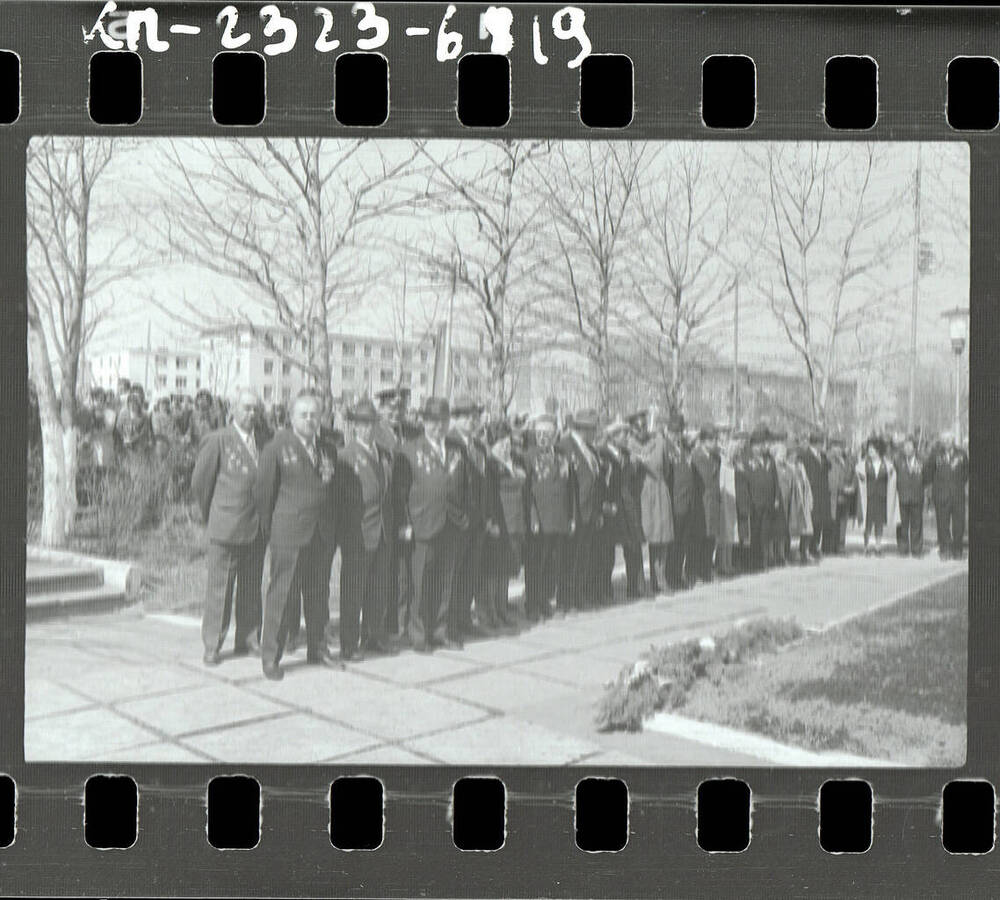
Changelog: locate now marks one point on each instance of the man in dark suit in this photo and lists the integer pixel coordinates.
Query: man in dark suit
(551, 523)
(585, 466)
(707, 464)
(762, 496)
(429, 482)
(222, 482)
(366, 531)
(817, 468)
(682, 553)
(481, 508)
(295, 495)
(910, 487)
(622, 517)
(947, 471)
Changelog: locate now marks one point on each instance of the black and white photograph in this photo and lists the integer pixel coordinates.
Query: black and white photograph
(497, 452)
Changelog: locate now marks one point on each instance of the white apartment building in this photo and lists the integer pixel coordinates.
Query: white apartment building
(161, 370)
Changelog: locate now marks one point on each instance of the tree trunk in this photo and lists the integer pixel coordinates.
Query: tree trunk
(56, 515)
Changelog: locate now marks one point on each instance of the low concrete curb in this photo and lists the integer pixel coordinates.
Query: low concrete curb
(120, 574)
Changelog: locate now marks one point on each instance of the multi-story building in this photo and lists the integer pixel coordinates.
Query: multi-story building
(160, 370)
(230, 359)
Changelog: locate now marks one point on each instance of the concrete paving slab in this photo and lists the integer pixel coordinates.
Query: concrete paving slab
(497, 652)
(505, 690)
(573, 669)
(293, 738)
(43, 698)
(504, 742)
(81, 735)
(160, 752)
(200, 708)
(383, 755)
(415, 668)
(63, 662)
(113, 682)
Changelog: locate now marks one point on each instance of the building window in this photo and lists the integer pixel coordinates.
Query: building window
(268, 391)
(423, 356)
(286, 368)
(423, 379)
(197, 382)
(286, 343)
(161, 381)
(161, 361)
(385, 376)
(268, 366)
(348, 349)
(286, 394)
(407, 377)
(180, 382)
(386, 353)
(368, 351)
(347, 373)
(407, 354)
(180, 363)
(197, 364)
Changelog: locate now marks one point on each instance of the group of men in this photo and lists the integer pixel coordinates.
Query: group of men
(432, 520)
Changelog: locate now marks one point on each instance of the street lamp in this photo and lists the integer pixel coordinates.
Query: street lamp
(958, 331)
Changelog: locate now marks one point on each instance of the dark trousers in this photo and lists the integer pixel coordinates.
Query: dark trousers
(658, 567)
(365, 585)
(911, 528)
(680, 559)
(546, 573)
(433, 574)
(950, 516)
(760, 522)
(585, 573)
(401, 591)
(467, 582)
(705, 548)
(818, 537)
(635, 578)
(493, 582)
(834, 534)
(302, 574)
(239, 567)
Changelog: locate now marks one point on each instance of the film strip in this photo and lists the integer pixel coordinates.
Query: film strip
(131, 765)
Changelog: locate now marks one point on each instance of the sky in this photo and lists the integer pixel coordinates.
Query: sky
(142, 179)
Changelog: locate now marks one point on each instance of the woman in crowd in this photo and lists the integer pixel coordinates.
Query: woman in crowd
(877, 507)
(800, 505)
(650, 451)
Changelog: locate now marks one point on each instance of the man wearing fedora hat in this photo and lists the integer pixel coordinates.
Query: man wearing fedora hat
(682, 552)
(551, 522)
(763, 495)
(366, 531)
(482, 509)
(585, 465)
(430, 481)
(622, 518)
(817, 466)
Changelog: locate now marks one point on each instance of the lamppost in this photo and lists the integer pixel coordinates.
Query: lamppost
(958, 330)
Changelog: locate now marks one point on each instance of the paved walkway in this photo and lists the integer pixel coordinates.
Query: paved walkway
(129, 687)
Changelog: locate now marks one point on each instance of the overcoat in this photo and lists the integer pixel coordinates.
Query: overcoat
(891, 500)
(657, 511)
(706, 467)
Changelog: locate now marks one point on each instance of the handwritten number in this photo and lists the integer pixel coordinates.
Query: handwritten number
(536, 43)
(449, 43)
(575, 31)
(324, 43)
(497, 22)
(274, 22)
(371, 21)
(229, 42)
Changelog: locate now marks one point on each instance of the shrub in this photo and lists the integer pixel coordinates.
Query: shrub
(663, 678)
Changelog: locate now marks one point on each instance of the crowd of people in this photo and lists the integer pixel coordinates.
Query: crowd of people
(435, 512)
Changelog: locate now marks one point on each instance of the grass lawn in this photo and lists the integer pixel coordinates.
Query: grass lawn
(890, 684)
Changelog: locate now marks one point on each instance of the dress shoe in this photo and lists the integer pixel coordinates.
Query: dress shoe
(211, 658)
(482, 630)
(449, 644)
(351, 655)
(292, 643)
(382, 648)
(273, 671)
(253, 645)
(324, 657)
(422, 647)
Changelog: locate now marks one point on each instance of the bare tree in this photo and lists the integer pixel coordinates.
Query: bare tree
(289, 221)
(487, 248)
(828, 247)
(590, 192)
(65, 279)
(686, 262)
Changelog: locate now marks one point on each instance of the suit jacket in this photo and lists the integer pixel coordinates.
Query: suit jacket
(480, 502)
(910, 483)
(682, 483)
(947, 475)
(430, 492)
(294, 498)
(817, 467)
(624, 524)
(706, 470)
(365, 496)
(551, 500)
(761, 483)
(587, 485)
(223, 482)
